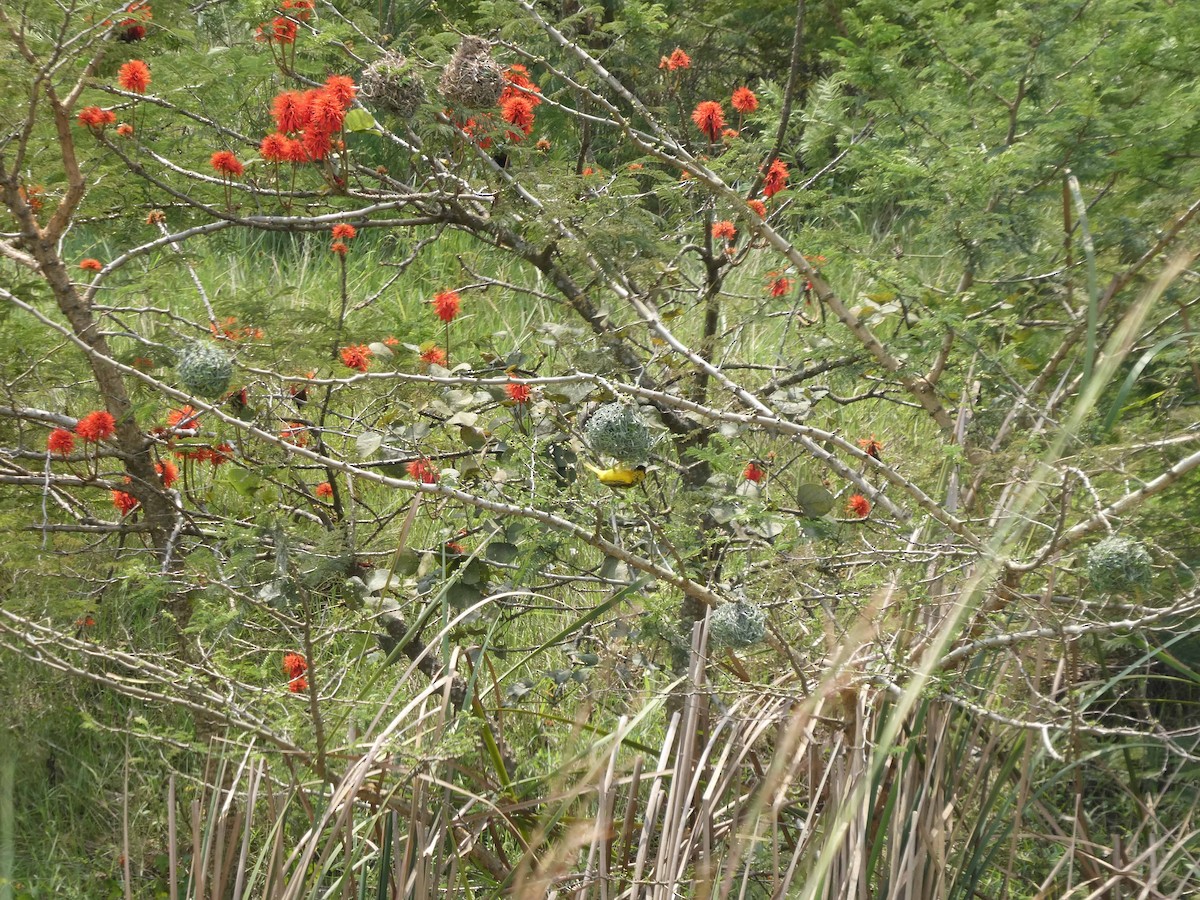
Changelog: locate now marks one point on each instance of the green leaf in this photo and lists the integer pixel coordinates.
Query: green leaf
(360, 120)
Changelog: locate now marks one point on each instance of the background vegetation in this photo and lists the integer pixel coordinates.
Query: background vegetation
(310, 588)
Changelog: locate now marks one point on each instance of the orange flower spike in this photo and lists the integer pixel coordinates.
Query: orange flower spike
(709, 118)
(858, 506)
(134, 76)
(447, 305)
(60, 442)
(96, 426)
(744, 100)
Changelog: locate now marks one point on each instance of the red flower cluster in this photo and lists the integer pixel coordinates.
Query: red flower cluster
(298, 9)
(96, 118)
(227, 164)
(754, 472)
(125, 130)
(218, 455)
(314, 117)
(134, 29)
(423, 470)
(724, 229)
(281, 30)
(709, 118)
(434, 356)
(60, 442)
(759, 207)
(344, 232)
(294, 666)
(167, 471)
(134, 76)
(858, 506)
(776, 178)
(125, 503)
(517, 392)
(91, 265)
(518, 100)
(33, 196)
(230, 330)
(777, 285)
(324, 489)
(744, 100)
(184, 417)
(446, 304)
(96, 426)
(677, 60)
(295, 433)
(357, 356)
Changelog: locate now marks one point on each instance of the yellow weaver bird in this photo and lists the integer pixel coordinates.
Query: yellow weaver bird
(619, 476)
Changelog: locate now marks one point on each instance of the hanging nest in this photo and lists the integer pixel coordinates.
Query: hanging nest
(472, 79)
(204, 370)
(1118, 564)
(737, 625)
(393, 83)
(618, 431)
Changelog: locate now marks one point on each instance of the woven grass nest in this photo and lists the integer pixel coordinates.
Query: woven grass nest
(393, 83)
(472, 79)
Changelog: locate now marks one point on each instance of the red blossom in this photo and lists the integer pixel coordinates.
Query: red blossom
(324, 489)
(709, 118)
(290, 111)
(730, 134)
(125, 503)
(423, 470)
(754, 472)
(356, 356)
(326, 112)
(298, 685)
(777, 285)
(435, 356)
(294, 664)
(518, 111)
(184, 417)
(60, 442)
(519, 85)
(344, 232)
(96, 118)
(858, 506)
(96, 426)
(542, 145)
(776, 178)
(32, 196)
(759, 207)
(517, 392)
(167, 472)
(295, 433)
(677, 60)
(294, 152)
(226, 163)
(134, 76)
(724, 229)
(91, 265)
(446, 304)
(274, 147)
(125, 129)
(342, 88)
(391, 341)
(339, 248)
(744, 100)
(317, 143)
(301, 9)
